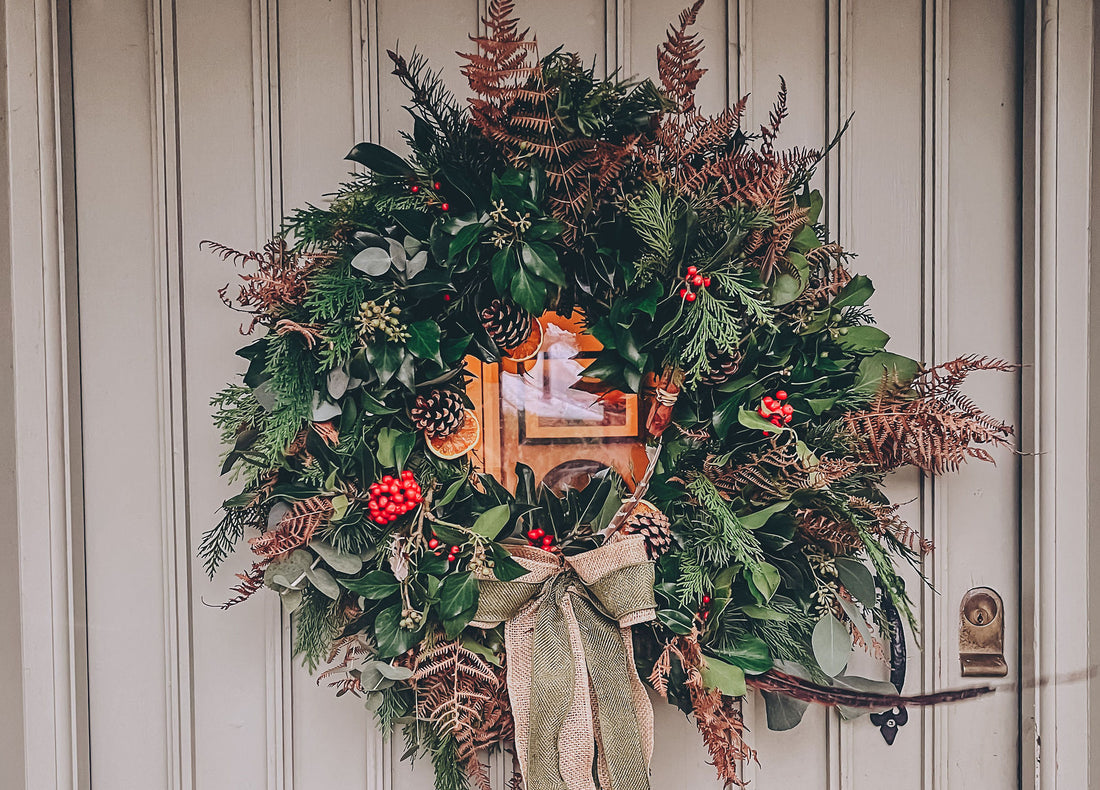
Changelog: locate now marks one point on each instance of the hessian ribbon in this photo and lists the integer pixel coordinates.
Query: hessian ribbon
(578, 703)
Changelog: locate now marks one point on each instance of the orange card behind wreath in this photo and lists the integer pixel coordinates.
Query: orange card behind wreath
(545, 414)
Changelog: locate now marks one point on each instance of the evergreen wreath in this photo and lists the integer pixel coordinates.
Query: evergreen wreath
(693, 252)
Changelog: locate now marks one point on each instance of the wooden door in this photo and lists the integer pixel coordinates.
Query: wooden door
(209, 118)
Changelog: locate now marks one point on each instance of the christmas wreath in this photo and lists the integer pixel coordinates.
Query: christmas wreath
(752, 547)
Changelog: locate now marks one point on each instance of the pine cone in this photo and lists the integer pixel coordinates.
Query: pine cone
(723, 367)
(508, 324)
(651, 524)
(439, 413)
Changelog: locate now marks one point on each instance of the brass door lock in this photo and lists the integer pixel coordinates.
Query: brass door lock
(982, 634)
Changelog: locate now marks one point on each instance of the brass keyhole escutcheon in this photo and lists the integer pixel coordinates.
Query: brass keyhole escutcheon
(981, 634)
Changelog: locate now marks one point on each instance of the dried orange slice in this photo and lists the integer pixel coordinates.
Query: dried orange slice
(461, 441)
(529, 347)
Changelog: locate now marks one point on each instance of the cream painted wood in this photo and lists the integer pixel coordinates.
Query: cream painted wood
(205, 119)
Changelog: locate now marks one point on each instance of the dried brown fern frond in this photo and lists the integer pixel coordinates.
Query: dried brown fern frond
(278, 282)
(463, 697)
(678, 60)
(310, 333)
(777, 472)
(718, 717)
(840, 536)
(250, 583)
(295, 529)
(888, 522)
(934, 426)
(342, 674)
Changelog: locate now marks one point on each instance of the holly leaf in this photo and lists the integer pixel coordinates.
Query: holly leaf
(505, 568)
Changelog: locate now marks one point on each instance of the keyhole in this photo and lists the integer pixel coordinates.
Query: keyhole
(980, 608)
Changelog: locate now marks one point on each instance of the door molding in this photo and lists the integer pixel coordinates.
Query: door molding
(48, 520)
(1057, 159)
(1054, 613)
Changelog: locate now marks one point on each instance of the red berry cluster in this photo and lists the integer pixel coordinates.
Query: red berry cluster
(415, 189)
(704, 611)
(693, 280)
(538, 537)
(775, 411)
(437, 548)
(393, 496)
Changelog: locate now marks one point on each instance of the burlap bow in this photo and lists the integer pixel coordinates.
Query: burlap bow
(576, 696)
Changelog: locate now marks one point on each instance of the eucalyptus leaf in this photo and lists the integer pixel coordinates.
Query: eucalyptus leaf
(783, 712)
(339, 561)
(832, 645)
(374, 261)
(857, 580)
(325, 582)
(337, 381)
(416, 264)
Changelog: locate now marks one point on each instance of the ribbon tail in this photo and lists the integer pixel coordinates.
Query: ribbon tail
(577, 740)
(621, 717)
(552, 667)
(518, 636)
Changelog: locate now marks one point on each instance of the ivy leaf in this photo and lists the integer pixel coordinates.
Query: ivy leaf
(528, 291)
(424, 340)
(385, 358)
(490, 523)
(374, 261)
(543, 261)
(832, 645)
(727, 678)
(857, 580)
(457, 594)
(374, 586)
(379, 160)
